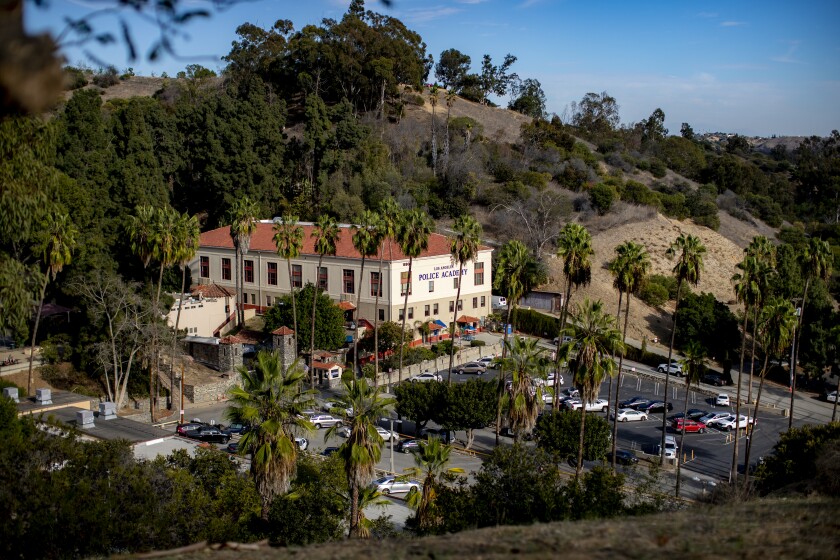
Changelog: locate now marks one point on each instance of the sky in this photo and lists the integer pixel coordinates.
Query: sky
(757, 68)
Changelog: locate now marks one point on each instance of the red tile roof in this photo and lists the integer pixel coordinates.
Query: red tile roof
(346, 305)
(263, 240)
(243, 337)
(284, 330)
(467, 319)
(211, 291)
(329, 366)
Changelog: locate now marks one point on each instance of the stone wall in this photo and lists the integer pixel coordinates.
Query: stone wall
(212, 392)
(222, 357)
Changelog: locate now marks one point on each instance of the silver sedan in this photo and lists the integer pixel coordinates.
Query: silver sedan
(630, 415)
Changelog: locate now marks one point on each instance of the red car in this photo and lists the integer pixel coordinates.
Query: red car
(691, 426)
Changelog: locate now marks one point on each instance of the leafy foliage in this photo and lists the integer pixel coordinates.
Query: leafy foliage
(329, 319)
(559, 433)
(703, 319)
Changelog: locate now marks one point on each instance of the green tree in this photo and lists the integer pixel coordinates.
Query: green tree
(390, 215)
(463, 247)
(325, 234)
(793, 462)
(559, 433)
(468, 406)
(412, 235)
(452, 68)
(329, 319)
(363, 447)
(530, 99)
(366, 240)
(288, 237)
(55, 249)
(526, 364)
(594, 340)
(271, 401)
(694, 358)
(429, 464)
(596, 114)
(629, 270)
(419, 402)
(242, 218)
(765, 253)
(653, 129)
(187, 237)
(686, 131)
(689, 251)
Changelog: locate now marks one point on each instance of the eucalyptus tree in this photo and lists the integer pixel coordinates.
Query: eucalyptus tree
(463, 247)
(366, 240)
(694, 358)
(629, 269)
(777, 327)
(390, 215)
(594, 341)
(288, 238)
(55, 249)
(242, 218)
(413, 233)
(574, 246)
(363, 447)
(325, 234)
(689, 251)
(815, 260)
(271, 401)
(526, 363)
(429, 464)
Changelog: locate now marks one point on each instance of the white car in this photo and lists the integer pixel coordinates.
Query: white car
(671, 447)
(722, 400)
(549, 380)
(831, 397)
(395, 485)
(387, 435)
(712, 416)
(598, 405)
(302, 443)
(630, 415)
(324, 421)
(727, 423)
(486, 361)
(425, 376)
(675, 368)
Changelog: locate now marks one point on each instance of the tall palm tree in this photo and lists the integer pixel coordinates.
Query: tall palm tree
(574, 246)
(765, 253)
(187, 235)
(165, 228)
(56, 251)
(629, 269)
(429, 464)
(689, 251)
(594, 340)
(363, 447)
(271, 402)
(243, 223)
(368, 497)
(390, 214)
(463, 247)
(366, 240)
(433, 99)
(326, 234)
(694, 357)
(526, 364)
(413, 236)
(815, 260)
(778, 323)
(288, 237)
(451, 97)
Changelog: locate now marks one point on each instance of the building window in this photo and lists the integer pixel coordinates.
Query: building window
(427, 310)
(272, 274)
(249, 271)
(436, 309)
(460, 305)
(401, 314)
(253, 299)
(483, 301)
(411, 313)
(268, 301)
(205, 267)
(405, 284)
(297, 276)
(451, 306)
(431, 286)
(349, 281)
(479, 274)
(226, 269)
(375, 285)
(323, 279)
(475, 302)
(381, 314)
(455, 283)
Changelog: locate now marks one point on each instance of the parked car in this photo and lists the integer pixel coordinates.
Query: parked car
(487, 361)
(386, 434)
(232, 447)
(671, 448)
(728, 423)
(674, 369)
(182, 429)
(566, 338)
(302, 443)
(408, 446)
(324, 421)
(831, 397)
(329, 451)
(446, 436)
(210, 434)
(693, 414)
(470, 367)
(712, 416)
(598, 405)
(630, 415)
(713, 379)
(395, 485)
(691, 426)
(633, 402)
(425, 376)
(236, 428)
(623, 457)
(656, 406)
(722, 400)
(571, 392)
(549, 380)
(467, 337)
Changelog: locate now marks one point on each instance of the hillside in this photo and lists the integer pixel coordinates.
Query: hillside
(803, 528)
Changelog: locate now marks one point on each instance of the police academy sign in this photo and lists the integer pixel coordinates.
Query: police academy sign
(442, 272)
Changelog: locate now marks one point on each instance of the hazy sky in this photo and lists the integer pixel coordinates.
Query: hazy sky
(756, 68)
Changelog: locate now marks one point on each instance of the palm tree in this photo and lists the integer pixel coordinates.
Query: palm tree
(765, 253)
(271, 402)
(433, 99)
(689, 251)
(815, 259)
(243, 223)
(594, 340)
(429, 464)
(463, 247)
(363, 447)
(694, 357)
(574, 246)
(413, 236)
(187, 235)
(368, 497)
(366, 240)
(778, 324)
(325, 233)
(390, 214)
(451, 97)
(631, 265)
(165, 237)
(288, 237)
(526, 363)
(56, 252)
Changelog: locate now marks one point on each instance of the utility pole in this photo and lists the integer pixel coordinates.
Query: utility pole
(182, 393)
(391, 438)
(793, 358)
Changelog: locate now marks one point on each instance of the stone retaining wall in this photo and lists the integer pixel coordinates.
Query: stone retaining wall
(212, 392)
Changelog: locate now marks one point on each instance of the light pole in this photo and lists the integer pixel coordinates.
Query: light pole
(793, 359)
(391, 438)
(182, 393)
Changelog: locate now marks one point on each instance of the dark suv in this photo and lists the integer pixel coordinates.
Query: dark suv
(714, 379)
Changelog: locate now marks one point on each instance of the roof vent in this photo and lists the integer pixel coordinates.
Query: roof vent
(11, 392)
(84, 419)
(107, 410)
(43, 396)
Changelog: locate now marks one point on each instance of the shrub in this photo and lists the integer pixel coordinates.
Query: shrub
(637, 193)
(74, 78)
(442, 348)
(106, 78)
(657, 168)
(669, 282)
(414, 99)
(793, 462)
(601, 197)
(536, 323)
(673, 205)
(654, 295)
(534, 179)
(477, 343)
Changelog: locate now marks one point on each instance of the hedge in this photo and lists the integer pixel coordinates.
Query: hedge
(535, 323)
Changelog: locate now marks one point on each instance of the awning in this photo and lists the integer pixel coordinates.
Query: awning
(441, 323)
(433, 326)
(346, 306)
(467, 319)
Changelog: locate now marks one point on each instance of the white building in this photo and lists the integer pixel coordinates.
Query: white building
(432, 287)
(205, 312)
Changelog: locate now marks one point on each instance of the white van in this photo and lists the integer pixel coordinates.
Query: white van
(499, 301)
